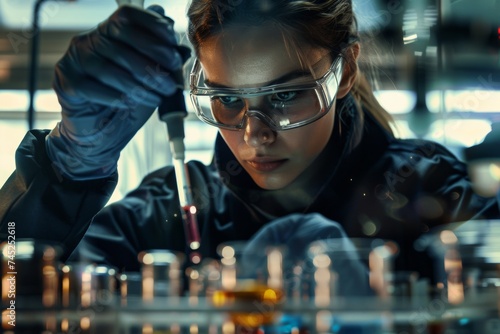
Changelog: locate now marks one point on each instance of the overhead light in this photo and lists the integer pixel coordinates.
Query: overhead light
(410, 39)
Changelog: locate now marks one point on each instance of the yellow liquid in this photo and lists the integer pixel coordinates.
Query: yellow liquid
(262, 301)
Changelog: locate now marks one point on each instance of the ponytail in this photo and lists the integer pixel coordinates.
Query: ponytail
(363, 94)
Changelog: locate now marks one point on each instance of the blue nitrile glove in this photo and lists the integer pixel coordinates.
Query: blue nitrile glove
(296, 232)
(108, 83)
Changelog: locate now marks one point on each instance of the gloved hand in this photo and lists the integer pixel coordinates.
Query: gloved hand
(296, 232)
(108, 83)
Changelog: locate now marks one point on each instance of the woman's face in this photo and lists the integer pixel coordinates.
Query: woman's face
(254, 57)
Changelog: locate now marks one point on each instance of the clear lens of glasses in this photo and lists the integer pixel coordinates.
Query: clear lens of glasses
(282, 106)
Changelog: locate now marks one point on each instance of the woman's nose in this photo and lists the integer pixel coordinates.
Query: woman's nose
(257, 132)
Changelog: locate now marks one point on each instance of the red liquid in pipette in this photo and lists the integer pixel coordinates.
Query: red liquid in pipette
(192, 233)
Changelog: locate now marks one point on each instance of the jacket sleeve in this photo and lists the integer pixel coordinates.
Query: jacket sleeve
(444, 187)
(44, 206)
(416, 186)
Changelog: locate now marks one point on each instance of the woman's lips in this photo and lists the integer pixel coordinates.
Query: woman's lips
(265, 165)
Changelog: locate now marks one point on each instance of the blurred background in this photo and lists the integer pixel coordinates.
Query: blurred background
(436, 65)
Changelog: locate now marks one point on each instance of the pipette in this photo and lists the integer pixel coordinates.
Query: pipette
(172, 111)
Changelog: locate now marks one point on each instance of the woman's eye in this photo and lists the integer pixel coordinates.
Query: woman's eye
(226, 99)
(285, 96)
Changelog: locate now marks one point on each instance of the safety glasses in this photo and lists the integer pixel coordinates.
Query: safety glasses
(281, 106)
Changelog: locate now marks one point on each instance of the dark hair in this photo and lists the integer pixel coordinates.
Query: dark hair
(329, 24)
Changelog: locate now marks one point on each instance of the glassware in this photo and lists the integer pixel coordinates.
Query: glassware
(31, 273)
(161, 274)
(250, 284)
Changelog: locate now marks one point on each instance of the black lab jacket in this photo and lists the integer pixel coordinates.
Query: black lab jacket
(383, 188)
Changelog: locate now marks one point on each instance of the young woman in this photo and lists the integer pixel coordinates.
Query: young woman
(304, 149)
